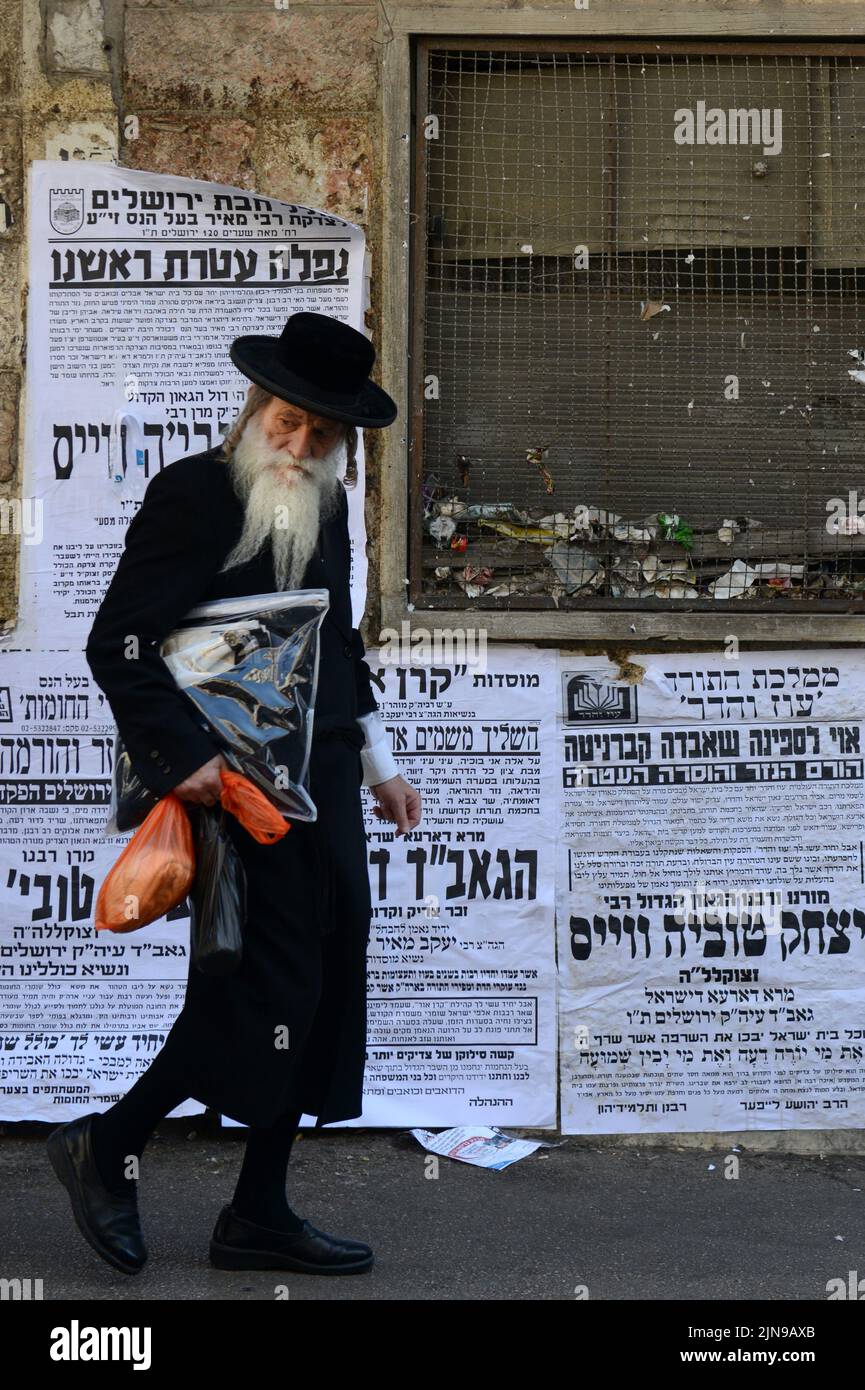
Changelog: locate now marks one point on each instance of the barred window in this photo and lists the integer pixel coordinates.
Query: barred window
(638, 364)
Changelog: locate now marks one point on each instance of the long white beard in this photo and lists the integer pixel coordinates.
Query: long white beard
(281, 504)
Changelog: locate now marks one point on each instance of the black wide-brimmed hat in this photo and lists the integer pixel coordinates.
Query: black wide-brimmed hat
(319, 363)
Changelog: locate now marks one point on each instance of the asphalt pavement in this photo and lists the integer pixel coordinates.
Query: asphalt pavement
(571, 1222)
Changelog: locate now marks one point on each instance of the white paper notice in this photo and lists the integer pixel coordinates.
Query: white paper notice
(138, 284)
(81, 1013)
(482, 1145)
(710, 900)
(461, 968)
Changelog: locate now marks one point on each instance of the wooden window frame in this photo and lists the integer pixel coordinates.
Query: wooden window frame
(828, 30)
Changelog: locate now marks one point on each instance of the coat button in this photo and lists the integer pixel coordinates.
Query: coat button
(154, 753)
(346, 651)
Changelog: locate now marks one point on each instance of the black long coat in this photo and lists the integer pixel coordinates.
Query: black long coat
(302, 980)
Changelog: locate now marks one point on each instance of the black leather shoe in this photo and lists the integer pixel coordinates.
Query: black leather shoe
(240, 1244)
(107, 1221)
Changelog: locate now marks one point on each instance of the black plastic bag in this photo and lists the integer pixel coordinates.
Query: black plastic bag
(217, 902)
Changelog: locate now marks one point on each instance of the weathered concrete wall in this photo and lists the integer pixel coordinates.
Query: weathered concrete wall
(58, 100)
(11, 284)
(281, 100)
(284, 97)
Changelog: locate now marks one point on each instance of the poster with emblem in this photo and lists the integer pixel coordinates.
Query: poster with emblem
(711, 892)
(139, 282)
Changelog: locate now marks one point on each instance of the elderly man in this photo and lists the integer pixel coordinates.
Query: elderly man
(286, 1033)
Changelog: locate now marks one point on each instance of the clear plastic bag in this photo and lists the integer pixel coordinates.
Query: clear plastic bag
(249, 667)
(131, 801)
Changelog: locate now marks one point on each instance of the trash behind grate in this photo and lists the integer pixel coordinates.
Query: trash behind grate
(640, 364)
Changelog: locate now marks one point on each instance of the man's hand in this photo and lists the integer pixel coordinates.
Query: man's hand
(203, 786)
(397, 801)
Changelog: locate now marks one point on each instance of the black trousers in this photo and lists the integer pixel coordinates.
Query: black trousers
(124, 1129)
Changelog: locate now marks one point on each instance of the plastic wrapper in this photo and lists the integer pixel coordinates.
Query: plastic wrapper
(249, 668)
(252, 808)
(130, 799)
(217, 901)
(154, 872)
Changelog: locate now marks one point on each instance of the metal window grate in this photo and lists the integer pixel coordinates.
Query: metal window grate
(672, 422)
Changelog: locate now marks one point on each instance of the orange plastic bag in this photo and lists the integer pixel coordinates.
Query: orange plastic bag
(251, 807)
(154, 872)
